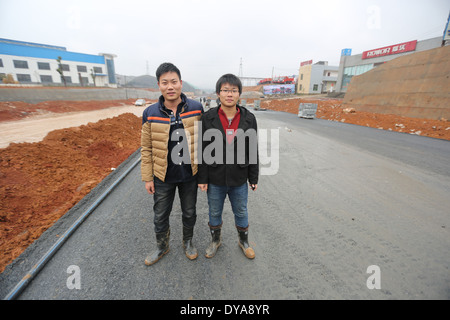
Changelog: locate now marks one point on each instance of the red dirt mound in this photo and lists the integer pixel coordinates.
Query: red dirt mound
(39, 182)
(335, 110)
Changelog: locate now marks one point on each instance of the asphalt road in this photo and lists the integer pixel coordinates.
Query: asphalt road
(346, 212)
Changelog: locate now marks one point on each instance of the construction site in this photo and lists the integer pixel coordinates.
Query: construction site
(43, 177)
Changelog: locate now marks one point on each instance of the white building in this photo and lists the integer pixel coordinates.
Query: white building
(316, 78)
(35, 63)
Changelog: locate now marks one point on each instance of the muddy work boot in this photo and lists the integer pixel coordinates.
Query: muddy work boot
(243, 243)
(215, 241)
(189, 249)
(162, 244)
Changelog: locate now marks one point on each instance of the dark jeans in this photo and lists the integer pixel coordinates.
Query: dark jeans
(163, 201)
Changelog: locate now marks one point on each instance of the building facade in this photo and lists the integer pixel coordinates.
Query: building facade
(354, 65)
(35, 63)
(316, 78)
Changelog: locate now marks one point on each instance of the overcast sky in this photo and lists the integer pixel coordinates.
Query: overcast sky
(207, 38)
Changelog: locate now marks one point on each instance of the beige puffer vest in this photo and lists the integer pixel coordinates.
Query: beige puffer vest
(155, 139)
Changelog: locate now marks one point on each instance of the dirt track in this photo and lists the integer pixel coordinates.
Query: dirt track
(35, 128)
(40, 181)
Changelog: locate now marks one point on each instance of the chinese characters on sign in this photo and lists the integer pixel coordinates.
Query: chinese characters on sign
(305, 63)
(397, 48)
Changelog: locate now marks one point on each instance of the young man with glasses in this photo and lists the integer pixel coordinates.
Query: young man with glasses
(237, 163)
(167, 159)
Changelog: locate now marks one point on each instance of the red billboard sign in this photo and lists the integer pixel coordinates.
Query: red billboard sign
(397, 48)
(305, 63)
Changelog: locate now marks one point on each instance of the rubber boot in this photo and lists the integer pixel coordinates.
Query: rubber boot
(215, 241)
(189, 249)
(162, 244)
(243, 243)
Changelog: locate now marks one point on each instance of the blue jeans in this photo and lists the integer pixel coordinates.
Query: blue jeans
(238, 197)
(163, 201)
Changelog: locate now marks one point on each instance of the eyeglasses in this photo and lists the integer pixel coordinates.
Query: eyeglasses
(230, 91)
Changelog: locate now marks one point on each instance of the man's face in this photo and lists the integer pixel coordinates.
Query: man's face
(229, 95)
(170, 86)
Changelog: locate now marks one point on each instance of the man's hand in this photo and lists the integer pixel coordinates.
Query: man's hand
(150, 187)
(254, 186)
(203, 187)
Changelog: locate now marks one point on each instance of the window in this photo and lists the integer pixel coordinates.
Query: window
(1, 63)
(23, 77)
(43, 66)
(315, 87)
(20, 64)
(301, 76)
(110, 71)
(68, 79)
(98, 70)
(84, 81)
(65, 67)
(352, 71)
(81, 69)
(357, 70)
(46, 79)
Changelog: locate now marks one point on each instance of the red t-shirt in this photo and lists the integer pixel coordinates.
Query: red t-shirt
(230, 126)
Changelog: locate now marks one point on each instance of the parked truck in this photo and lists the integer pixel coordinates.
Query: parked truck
(265, 81)
(284, 80)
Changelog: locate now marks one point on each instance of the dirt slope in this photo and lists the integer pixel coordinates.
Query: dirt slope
(415, 85)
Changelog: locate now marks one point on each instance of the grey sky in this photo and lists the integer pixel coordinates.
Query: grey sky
(207, 38)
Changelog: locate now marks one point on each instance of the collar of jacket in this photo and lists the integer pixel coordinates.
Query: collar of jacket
(244, 123)
(183, 102)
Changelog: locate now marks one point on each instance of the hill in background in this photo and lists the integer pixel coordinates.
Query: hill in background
(147, 81)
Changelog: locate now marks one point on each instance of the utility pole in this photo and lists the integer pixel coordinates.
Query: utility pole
(125, 85)
(240, 70)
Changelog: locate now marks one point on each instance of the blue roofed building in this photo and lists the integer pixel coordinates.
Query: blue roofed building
(36, 63)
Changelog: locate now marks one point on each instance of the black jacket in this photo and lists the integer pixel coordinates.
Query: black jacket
(235, 163)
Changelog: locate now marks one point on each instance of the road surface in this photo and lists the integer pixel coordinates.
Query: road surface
(347, 212)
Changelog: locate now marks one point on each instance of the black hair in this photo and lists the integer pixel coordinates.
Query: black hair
(167, 67)
(231, 79)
